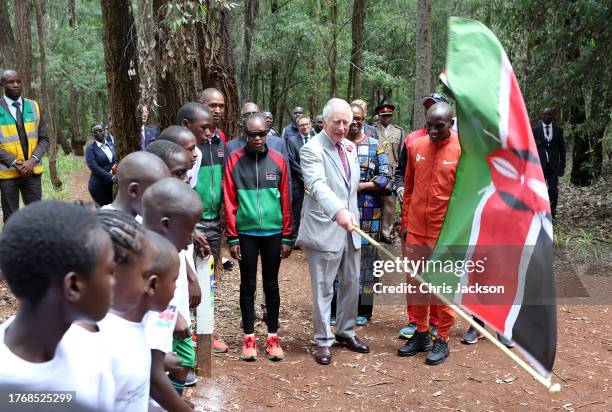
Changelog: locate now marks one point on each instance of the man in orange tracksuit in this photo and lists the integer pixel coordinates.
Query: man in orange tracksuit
(428, 184)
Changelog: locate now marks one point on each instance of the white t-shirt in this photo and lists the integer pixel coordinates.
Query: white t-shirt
(130, 356)
(181, 294)
(80, 364)
(111, 207)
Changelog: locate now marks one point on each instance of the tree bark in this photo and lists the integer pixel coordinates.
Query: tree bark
(23, 44)
(250, 12)
(422, 78)
(175, 85)
(273, 106)
(218, 62)
(147, 69)
(7, 40)
(333, 54)
(77, 140)
(121, 74)
(356, 66)
(42, 22)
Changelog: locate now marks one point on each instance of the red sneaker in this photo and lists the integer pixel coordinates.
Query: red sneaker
(273, 349)
(249, 349)
(219, 346)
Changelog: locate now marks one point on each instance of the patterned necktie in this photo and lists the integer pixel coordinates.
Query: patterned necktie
(548, 138)
(342, 155)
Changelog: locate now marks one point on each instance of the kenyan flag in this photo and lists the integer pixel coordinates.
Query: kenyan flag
(499, 214)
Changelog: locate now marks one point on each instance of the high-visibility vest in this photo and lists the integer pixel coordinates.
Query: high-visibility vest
(9, 137)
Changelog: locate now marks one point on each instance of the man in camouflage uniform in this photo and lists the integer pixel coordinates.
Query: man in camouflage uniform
(391, 137)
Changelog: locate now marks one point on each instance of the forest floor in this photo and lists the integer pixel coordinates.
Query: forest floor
(476, 377)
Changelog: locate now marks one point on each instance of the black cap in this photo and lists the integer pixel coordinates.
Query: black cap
(384, 109)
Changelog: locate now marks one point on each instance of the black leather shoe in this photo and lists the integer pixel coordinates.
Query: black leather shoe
(419, 342)
(323, 355)
(386, 239)
(438, 352)
(353, 343)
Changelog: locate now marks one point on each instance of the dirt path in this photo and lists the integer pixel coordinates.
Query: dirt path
(475, 377)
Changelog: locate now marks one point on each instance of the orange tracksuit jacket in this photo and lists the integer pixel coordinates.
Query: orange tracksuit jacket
(428, 184)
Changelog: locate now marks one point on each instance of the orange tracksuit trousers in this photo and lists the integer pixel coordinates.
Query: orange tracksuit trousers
(428, 184)
(427, 306)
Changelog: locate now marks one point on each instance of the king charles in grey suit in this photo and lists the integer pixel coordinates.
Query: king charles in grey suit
(331, 177)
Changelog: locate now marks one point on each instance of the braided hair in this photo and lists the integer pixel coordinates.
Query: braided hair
(126, 233)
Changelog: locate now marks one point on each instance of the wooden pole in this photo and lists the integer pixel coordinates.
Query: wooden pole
(553, 388)
(205, 314)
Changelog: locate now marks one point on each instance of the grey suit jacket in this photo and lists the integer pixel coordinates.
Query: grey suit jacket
(327, 191)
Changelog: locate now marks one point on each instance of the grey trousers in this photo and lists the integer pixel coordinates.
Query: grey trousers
(324, 267)
(388, 215)
(30, 188)
(212, 230)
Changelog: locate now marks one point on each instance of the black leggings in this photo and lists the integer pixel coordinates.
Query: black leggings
(269, 247)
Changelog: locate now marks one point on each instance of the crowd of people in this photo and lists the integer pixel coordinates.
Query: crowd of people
(116, 282)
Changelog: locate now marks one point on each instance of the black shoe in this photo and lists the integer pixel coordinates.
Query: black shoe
(438, 352)
(386, 239)
(419, 342)
(353, 343)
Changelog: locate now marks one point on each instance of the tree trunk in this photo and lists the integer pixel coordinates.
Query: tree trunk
(273, 106)
(175, 84)
(77, 140)
(218, 62)
(146, 57)
(121, 74)
(422, 78)
(7, 40)
(587, 153)
(250, 12)
(42, 22)
(356, 66)
(23, 44)
(333, 53)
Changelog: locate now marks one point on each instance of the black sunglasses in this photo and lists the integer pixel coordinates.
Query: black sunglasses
(255, 133)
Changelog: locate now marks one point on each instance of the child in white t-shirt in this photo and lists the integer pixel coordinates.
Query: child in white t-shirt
(145, 274)
(171, 209)
(58, 262)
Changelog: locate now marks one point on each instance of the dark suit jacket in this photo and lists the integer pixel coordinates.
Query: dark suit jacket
(552, 154)
(151, 135)
(43, 138)
(99, 165)
(294, 144)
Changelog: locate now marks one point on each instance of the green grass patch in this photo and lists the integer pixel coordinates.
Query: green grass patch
(66, 166)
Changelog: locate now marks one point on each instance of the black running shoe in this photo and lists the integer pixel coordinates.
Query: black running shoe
(419, 342)
(438, 352)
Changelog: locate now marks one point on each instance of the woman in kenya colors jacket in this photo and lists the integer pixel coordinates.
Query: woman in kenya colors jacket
(257, 197)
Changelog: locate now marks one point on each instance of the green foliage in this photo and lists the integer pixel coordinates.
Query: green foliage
(67, 165)
(75, 60)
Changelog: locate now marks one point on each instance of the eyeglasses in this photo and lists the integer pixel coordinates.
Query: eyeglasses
(255, 133)
(357, 118)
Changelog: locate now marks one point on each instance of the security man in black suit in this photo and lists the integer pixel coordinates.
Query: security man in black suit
(551, 149)
(294, 144)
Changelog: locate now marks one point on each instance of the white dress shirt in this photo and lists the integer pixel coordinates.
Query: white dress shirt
(107, 151)
(13, 109)
(548, 135)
